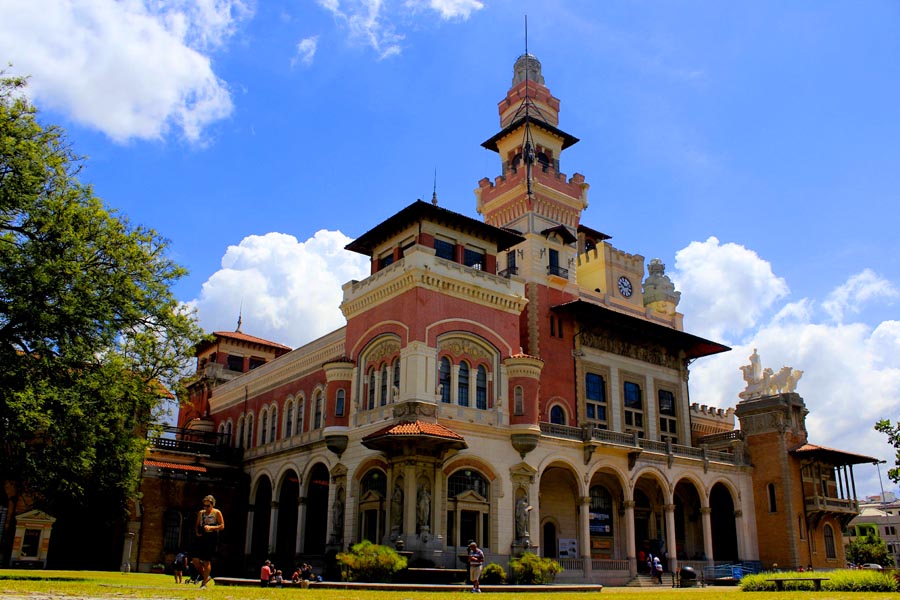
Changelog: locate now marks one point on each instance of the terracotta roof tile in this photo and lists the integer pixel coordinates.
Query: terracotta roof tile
(416, 428)
(170, 465)
(237, 335)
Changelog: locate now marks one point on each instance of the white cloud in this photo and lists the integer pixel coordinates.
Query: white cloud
(130, 69)
(306, 51)
(853, 295)
(448, 9)
(371, 22)
(851, 370)
(290, 290)
(725, 288)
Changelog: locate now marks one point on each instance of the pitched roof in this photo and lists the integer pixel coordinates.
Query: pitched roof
(838, 457)
(238, 335)
(415, 428)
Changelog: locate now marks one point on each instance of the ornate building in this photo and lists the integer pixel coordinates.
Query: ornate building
(515, 380)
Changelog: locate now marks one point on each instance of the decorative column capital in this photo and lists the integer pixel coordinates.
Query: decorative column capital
(705, 510)
(628, 504)
(670, 508)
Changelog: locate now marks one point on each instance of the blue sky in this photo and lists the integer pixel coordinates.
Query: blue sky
(752, 146)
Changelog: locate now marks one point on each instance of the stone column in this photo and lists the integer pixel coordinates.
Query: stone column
(273, 525)
(301, 523)
(671, 547)
(248, 532)
(584, 515)
(409, 501)
(631, 553)
(741, 534)
(706, 520)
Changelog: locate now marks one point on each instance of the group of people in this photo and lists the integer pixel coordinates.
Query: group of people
(653, 563)
(270, 576)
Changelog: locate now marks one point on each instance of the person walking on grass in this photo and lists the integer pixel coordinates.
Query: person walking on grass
(209, 523)
(476, 564)
(179, 566)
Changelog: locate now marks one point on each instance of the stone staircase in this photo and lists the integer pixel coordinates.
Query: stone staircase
(642, 580)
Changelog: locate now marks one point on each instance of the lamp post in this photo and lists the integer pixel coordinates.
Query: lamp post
(878, 464)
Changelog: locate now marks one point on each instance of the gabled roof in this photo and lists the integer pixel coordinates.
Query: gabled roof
(568, 140)
(562, 231)
(590, 313)
(425, 211)
(832, 456)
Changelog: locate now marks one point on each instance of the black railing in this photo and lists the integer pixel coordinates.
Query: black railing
(191, 441)
(508, 272)
(558, 271)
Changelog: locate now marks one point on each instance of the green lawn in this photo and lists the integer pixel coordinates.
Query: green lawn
(16, 584)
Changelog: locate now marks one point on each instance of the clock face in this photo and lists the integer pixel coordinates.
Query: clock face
(625, 287)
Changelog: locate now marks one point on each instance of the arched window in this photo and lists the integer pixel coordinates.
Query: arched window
(289, 419)
(375, 481)
(462, 392)
(518, 401)
(301, 412)
(273, 423)
(601, 515)
(384, 384)
(396, 369)
(828, 533)
(248, 428)
(317, 415)
(468, 508)
(444, 380)
(264, 426)
(339, 401)
(172, 531)
(773, 506)
(558, 415)
(372, 513)
(371, 389)
(481, 388)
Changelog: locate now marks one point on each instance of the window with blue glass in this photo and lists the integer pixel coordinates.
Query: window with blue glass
(444, 380)
(462, 391)
(443, 249)
(481, 388)
(634, 407)
(595, 398)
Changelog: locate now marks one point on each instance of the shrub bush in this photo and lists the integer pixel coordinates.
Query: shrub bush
(533, 569)
(370, 563)
(844, 580)
(493, 574)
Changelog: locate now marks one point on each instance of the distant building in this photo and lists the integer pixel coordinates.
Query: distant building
(879, 519)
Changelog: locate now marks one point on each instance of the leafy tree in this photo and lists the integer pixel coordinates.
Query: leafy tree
(370, 562)
(869, 549)
(893, 433)
(90, 334)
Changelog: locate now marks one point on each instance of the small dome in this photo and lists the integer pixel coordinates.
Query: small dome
(533, 65)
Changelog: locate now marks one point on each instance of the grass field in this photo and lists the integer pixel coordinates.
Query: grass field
(67, 585)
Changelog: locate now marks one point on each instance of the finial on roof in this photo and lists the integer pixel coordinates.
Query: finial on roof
(434, 192)
(240, 318)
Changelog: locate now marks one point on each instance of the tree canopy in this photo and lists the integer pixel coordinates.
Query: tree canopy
(893, 433)
(91, 336)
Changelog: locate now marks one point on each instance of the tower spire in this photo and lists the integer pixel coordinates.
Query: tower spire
(434, 190)
(240, 318)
